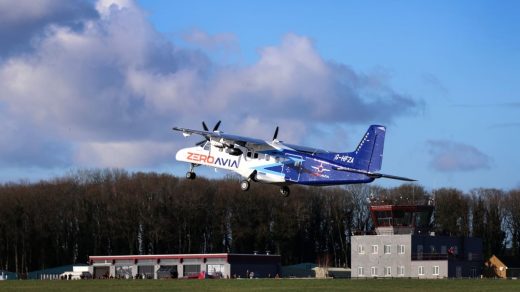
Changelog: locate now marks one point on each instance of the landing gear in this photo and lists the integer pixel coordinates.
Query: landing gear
(285, 191)
(191, 174)
(244, 185)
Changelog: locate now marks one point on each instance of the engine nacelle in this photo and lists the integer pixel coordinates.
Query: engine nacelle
(234, 151)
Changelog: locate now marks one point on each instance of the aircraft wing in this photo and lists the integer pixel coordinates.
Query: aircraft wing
(223, 137)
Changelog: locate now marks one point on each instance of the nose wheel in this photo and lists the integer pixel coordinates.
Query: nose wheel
(190, 175)
(285, 191)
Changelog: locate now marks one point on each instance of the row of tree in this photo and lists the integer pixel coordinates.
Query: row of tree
(109, 212)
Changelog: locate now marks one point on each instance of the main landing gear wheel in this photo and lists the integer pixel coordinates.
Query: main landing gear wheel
(244, 185)
(190, 175)
(285, 191)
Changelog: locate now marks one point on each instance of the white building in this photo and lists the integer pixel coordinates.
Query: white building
(223, 265)
(404, 247)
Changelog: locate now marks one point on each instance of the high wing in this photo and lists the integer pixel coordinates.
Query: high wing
(225, 139)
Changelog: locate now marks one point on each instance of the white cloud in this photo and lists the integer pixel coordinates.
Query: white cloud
(106, 93)
(123, 154)
(448, 156)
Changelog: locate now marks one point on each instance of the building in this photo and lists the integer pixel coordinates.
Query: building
(5, 275)
(222, 265)
(54, 273)
(503, 267)
(404, 246)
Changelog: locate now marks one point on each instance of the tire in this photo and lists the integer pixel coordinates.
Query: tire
(244, 185)
(190, 175)
(285, 191)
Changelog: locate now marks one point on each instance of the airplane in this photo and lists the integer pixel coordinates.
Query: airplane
(283, 164)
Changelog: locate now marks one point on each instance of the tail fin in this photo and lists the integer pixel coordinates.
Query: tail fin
(368, 155)
(369, 152)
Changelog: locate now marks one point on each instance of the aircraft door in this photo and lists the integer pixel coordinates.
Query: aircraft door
(292, 167)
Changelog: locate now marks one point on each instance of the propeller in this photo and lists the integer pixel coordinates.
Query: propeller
(205, 127)
(275, 133)
(216, 126)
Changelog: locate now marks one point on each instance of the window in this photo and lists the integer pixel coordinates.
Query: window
(435, 270)
(470, 256)
(215, 270)
(255, 155)
(373, 271)
(400, 271)
(249, 154)
(401, 249)
(387, 249)
(207, 146)
(421, 270)
(419, 252)
(361, 249)
(191, 270)
(444, 250)
(360, 272)
(388, 271)
(375, 249)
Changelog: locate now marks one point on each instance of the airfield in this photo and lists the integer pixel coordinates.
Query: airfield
(265, 285)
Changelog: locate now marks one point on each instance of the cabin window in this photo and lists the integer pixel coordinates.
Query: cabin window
(267, 157)
(249, 154)
(255, 155)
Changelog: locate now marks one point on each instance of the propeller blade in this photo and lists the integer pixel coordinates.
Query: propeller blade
(204, 126)
(275, 133)
(216, 126)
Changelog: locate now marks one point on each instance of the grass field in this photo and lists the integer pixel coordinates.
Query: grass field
(264, 285)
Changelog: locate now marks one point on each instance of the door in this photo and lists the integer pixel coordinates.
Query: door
(292, 167)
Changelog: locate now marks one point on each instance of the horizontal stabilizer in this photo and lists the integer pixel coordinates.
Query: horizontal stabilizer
(371, 174)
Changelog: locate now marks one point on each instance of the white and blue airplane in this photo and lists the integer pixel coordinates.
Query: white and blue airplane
(283, 164)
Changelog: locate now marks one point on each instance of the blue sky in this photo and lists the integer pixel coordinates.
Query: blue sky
(95, 84)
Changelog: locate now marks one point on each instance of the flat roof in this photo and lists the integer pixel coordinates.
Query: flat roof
(413, 208)
(177, 256)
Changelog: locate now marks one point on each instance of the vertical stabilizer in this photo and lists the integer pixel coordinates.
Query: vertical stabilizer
(368, 155)
(369, 152)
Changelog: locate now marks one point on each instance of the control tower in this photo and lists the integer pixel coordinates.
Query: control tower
(405, 246)
(401, 219)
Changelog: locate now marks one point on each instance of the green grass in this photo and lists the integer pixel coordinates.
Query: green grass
(385, 285)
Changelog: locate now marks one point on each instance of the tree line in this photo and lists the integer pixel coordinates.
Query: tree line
(113, 212)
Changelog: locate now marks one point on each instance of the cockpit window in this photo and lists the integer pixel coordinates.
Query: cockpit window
(207, 145)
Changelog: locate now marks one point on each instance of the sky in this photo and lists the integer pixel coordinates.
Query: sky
(99, 84)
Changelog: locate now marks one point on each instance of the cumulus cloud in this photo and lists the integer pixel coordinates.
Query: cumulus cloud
(449, 156)
(101, 87)
(22, 21)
